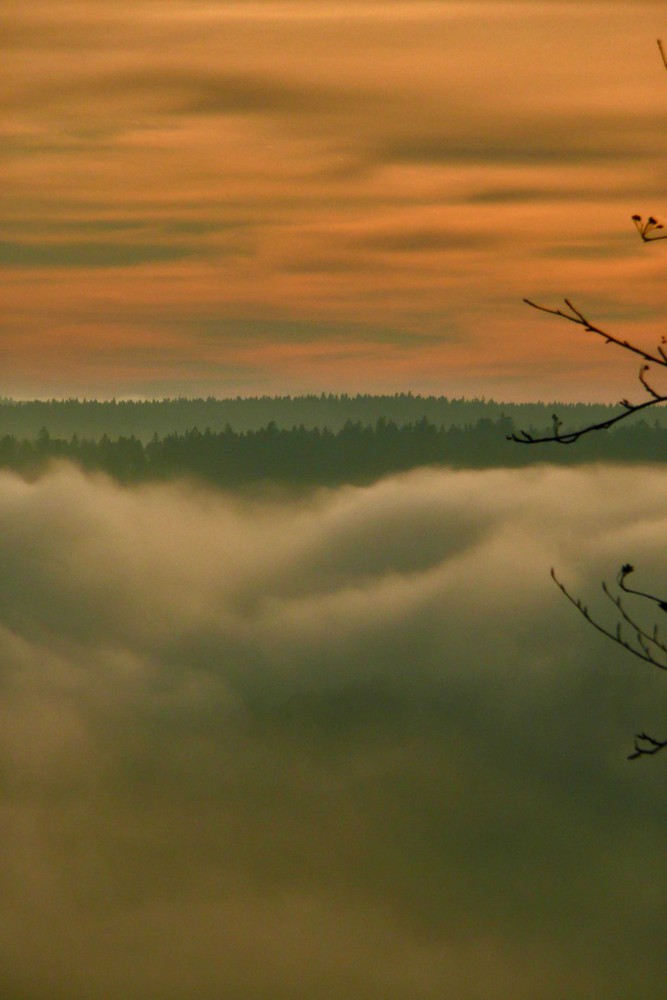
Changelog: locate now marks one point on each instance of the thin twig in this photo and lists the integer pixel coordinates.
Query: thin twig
(640, 632)
(651, 747)
(624, 572)
(647, 228)
(660, 358)
(579, 318)
(569, 437)
(616, 637)
(644, 744)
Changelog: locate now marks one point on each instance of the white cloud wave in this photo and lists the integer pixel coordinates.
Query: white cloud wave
(352, 743)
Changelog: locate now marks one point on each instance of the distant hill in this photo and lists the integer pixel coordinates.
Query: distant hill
(143, 419)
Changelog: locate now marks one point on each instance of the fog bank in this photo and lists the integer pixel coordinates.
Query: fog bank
(353, 745)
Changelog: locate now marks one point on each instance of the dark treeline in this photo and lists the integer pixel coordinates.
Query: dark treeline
(312, 456)
(142, 419)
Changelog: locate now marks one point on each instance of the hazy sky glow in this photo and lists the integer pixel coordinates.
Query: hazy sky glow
(354, 746)
(278, 197)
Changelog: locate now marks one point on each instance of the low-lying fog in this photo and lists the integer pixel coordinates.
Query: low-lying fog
(353, 746)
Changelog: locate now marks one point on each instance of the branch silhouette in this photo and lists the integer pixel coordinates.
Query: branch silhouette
(629, 632)
(659, 358)
(644, 645)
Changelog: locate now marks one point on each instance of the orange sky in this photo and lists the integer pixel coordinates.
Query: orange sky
(263, 197)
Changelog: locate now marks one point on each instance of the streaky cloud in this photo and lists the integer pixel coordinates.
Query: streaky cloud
(84, 254)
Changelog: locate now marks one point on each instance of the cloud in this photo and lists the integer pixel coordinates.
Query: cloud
(183, 91)
(84, 254)
(252, 744)
(426, 240)
(315, 335)
(552, 139)
(371, 158)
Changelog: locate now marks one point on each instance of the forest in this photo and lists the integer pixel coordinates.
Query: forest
(356, 453)
(143, 418)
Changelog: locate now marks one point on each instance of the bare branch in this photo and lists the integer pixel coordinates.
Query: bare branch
(642, 653)
(646, 746)
(659, 358)
(647, 228)
(641, 635)
(576, 316)
(569, 437)
(642, 643)
(647, 646)
(624, 572)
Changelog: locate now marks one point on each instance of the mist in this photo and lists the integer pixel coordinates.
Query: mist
(351, 744)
